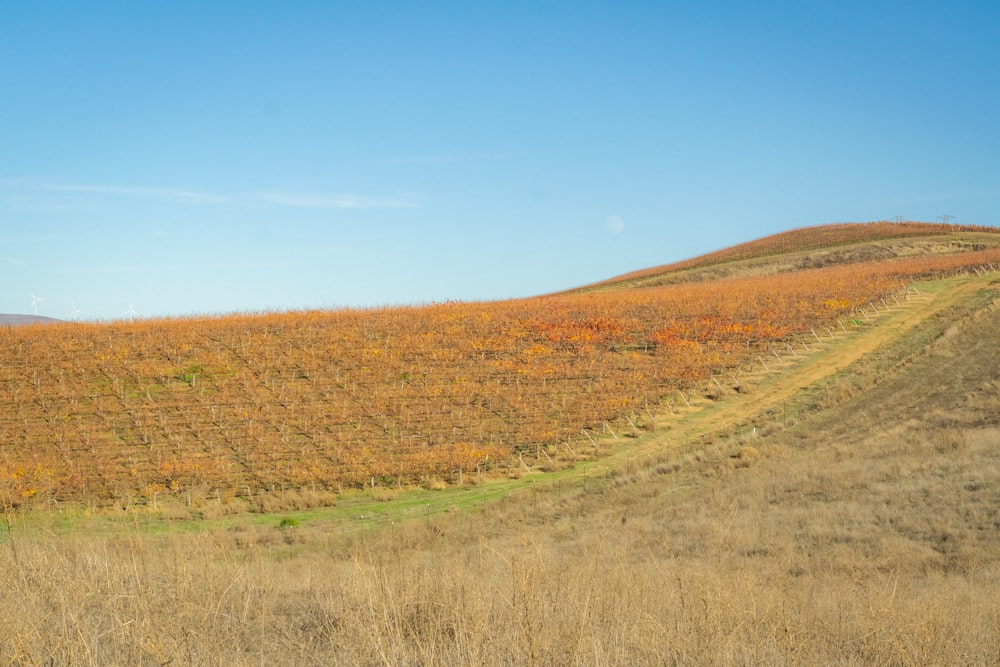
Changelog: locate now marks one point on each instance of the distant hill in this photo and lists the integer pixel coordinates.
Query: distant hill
(22, 320)
(814, 247)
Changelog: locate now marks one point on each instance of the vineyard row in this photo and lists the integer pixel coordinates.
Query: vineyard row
(329, 399)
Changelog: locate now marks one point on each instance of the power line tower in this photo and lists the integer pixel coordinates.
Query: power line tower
(946, 219)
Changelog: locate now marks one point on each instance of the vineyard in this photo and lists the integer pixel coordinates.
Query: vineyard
(825, 237)
(243, 404)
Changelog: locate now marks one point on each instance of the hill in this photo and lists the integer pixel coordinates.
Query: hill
(241, 408)
(839, 508)
(815, 247)
(25, 320)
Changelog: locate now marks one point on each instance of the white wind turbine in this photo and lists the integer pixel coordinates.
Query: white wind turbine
(76, 311)
(34, 302)
(130, 312)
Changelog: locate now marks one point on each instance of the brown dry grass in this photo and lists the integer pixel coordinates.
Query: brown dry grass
(866, 533)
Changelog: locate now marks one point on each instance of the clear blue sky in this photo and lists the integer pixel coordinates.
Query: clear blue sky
(207, 157)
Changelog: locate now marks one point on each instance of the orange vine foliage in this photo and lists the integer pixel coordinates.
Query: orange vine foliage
(325, 399)
(807, 238)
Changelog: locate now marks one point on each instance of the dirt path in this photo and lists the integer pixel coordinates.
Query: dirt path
(780, 383)
(774, 386)
(784, 380)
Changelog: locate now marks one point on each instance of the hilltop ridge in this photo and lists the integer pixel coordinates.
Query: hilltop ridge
(16, 320)
(813, 247)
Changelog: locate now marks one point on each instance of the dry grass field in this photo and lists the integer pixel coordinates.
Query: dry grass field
(861, 529)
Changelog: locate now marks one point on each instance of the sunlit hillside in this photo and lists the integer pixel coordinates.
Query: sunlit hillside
(786, 467)
(245, 405)
(816, 247)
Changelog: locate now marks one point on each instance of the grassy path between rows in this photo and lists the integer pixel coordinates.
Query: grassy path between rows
(673, 435)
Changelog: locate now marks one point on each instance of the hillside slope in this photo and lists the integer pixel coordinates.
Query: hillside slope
(25, 320)
(814, 247)
(239, 408)
(858, 526)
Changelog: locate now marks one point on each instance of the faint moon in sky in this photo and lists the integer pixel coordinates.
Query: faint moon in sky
(615, 223)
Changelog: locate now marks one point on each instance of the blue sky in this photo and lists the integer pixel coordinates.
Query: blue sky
(247, 156)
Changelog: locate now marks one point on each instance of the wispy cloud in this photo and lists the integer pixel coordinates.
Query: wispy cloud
(170, 194)
(53, 197)
(39, 202)
(173, 268)
(338, 201)
(452, 158)
(26, 194)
